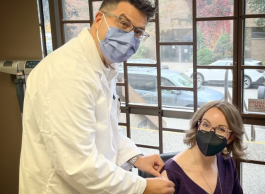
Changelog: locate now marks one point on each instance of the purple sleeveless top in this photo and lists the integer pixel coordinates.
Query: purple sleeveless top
(184, 185)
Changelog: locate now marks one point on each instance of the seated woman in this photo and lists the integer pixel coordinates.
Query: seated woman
(206, 167)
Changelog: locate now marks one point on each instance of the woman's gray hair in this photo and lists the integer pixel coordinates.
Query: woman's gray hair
(235, 124)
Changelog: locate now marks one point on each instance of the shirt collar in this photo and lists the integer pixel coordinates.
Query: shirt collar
(93, 57)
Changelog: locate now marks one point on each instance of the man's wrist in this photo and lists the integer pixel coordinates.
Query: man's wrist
(133, 159)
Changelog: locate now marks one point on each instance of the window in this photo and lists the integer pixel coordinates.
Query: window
(209, 2)
(142, 81)
(189, 60)
(76, 15)
(258, 32)
(182, 80)
(45, 27)
(166, 82)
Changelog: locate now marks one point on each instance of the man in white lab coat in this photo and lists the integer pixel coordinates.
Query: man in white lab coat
(71, 140)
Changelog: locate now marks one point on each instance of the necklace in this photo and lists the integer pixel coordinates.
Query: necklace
(203, 176)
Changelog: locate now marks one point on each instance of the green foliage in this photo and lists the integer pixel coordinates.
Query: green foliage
(204, 56)
(200, 38)
(258, 7)
(223, 48)
(261, 23)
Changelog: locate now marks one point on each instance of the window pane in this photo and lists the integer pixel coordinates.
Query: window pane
(178, 98)
(75, 10)
(124, 130)
(122, 118)
(254, 41)
(173, 141)
(215, 42)
(215, 91)
(47, 25)
(142, 85)
(175, 79)
(48, 36)
(254, 91)
(174, 123)
(175, 19)
(256, 144)
(253, 173)
(38, 7)
(176, 57)
(255, 7)
(212, 85)
(41, 41)
(146, 52)
(148, 151)
(215, 8)
(144, 129)
(120, 91)
(72, 30)
(252, 178)
(96, 5)
(120, 77)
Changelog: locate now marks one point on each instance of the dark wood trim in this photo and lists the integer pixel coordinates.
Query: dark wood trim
(174, 130)
(147, 146)
(215, 18)
(175, 43)
(43, 33)
(75, 21)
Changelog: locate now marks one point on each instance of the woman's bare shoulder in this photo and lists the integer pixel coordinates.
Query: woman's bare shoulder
(182, 156)
(183, 159)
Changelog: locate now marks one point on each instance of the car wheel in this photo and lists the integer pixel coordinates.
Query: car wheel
(200, 79)
(247, 82)
(261, 92)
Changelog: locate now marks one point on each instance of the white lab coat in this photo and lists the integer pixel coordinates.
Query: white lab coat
(71, 140)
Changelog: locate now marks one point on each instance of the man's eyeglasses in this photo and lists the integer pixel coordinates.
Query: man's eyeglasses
(221, 131)
(127, 26)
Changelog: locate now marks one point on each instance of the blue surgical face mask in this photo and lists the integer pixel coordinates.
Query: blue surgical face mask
(118, 45)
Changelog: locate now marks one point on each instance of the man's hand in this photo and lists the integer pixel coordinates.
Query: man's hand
(151, 164)
(159, 186)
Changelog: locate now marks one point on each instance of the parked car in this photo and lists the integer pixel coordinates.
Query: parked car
(251, 76)
(249, 61)
(143, 61)
(145, 84)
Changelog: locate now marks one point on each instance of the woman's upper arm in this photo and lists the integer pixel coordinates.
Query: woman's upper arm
(164, 174)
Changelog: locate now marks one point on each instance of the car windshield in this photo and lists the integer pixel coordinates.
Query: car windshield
(182, 80)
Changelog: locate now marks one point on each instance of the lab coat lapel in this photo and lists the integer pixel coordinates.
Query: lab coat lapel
(92, 55)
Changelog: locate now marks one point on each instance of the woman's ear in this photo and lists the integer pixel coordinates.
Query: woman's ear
(231, 138)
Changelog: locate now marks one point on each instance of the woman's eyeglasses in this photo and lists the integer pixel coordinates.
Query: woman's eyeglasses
(221, 130)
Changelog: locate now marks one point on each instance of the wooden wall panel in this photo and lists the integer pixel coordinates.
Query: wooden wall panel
(19, 34)
(10, 135)
(19, 39)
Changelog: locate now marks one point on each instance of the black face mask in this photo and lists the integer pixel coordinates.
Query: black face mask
(209, 143)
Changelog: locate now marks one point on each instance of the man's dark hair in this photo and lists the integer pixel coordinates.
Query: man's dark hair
(145, 6)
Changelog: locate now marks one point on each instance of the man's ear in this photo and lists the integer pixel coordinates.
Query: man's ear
(98, 19)
(231, 138)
